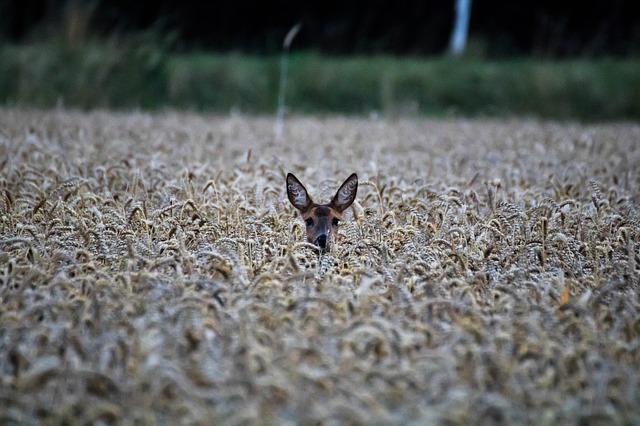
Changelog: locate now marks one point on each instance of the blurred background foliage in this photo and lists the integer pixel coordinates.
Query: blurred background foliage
(544, 59)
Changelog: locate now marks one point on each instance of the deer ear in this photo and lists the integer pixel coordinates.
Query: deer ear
(298, 194)
(346, 194)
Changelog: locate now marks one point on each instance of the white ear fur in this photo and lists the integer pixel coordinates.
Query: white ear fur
(297, 193)
(346, 194)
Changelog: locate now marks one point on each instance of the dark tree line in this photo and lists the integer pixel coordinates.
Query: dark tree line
(547, 28)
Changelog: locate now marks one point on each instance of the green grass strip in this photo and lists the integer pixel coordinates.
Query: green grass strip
(149, 77)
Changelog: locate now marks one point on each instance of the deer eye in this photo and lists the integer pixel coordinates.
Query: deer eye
(309, 222)
(335, 221)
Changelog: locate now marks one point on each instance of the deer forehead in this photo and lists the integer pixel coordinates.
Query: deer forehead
(322, 212)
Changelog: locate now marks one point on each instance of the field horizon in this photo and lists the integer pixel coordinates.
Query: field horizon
(153, 271)
(143, 73)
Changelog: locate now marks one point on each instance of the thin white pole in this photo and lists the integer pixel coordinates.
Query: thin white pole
(461, 27)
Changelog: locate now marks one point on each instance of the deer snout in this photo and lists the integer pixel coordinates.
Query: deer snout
(321, 241)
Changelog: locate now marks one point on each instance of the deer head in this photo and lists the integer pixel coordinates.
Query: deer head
(322, 220)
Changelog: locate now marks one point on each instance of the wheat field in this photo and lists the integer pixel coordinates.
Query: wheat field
(153, 271)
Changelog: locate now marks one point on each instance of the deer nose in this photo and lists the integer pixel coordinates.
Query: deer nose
(321, 241)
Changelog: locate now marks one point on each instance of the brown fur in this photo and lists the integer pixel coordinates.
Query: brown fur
(322, 220)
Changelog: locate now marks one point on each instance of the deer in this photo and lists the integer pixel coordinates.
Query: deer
(322, 220)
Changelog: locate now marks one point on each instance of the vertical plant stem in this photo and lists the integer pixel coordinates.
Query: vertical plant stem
(279, 124)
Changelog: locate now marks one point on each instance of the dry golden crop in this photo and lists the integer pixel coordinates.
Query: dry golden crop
(152, 270)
